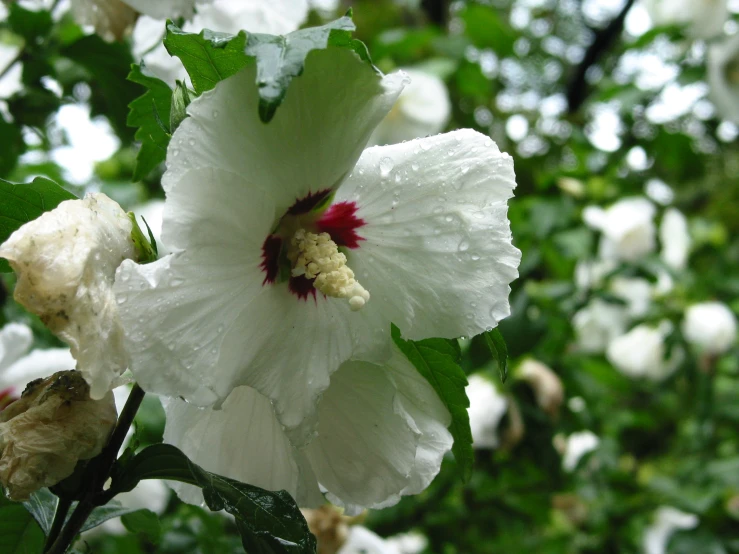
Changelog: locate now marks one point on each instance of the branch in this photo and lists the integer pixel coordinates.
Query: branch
(577, 92)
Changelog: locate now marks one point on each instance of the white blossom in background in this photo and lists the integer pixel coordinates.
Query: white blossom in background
(163, 9)
(723, 77)
(640, 353)
(577, 446)
(627, 227)
(422, 109)
(667, 521)
(710, 327)
(18, 367)
(149, 494)
(412, 542)
(381, 434)
(592, 274)
(65, 263)
(275, 17)
(257, 214)
(702, 18)
(675, 239)
(487, 408)
(636, 292)
(597, 324)
(363, 541)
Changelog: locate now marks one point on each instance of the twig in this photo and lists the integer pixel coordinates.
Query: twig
(577, 92)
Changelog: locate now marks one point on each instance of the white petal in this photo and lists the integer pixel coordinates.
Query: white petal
(15, 340)
(667, 521)
(149, 494)
(243, 441)
(597, 324)
(365, 450)
(636, 292)
(675, 239)
(65, 261)
(426, 415)
(39, 363)
(111, 19)
(363, 541)
(423, 109)
(11, 82)
(437, 256)
(487, 408)
(312, 142)
(721, 78)
(705, 18)
(627, 226)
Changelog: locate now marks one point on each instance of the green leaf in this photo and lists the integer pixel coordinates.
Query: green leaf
(146, 252)
(19, 533)
(269, 521)
(281, 58)
(42, 506)
(499, 351)
(29, 24)
(102, 514)
(486, 28)
(211, 57)
(147, 113)
(438, 361)
(208, 57)
(143, 522)
(21, 203)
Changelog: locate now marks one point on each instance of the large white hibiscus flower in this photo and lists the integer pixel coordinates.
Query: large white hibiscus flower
(382, 433)
(270, 218)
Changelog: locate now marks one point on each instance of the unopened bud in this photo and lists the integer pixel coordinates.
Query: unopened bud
(49, 429)
(330, 527)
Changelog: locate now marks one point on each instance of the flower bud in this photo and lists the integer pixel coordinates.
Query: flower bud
(330, 527)
(49, 429)
(547, 386)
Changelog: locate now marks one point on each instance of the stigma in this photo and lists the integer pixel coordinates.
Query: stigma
(317, 257)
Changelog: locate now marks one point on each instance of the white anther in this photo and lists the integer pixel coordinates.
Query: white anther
(317, 257)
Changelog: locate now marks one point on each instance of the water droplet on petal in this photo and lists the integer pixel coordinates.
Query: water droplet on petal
(463, 246)
(414, 167)
(386, 166)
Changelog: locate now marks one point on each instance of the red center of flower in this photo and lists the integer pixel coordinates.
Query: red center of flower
(6, 398)
(339, 220)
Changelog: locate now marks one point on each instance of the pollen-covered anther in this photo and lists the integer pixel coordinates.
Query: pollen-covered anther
(317, 257)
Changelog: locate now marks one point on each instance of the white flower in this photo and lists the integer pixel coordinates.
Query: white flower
(675, 239)
(381, 434)
(592, 273)
(597, 324)
(723, 77)
(422, 109)
(48, 430)
(412, 542)
(627, 226)
(487, 408)
(110, 18)
(149, 494)
(578, 445)
(667, 520)
(547, 386)
(636, 292)
(710, 327)
(363, 541)
(274, 17)
(704, 18)
(65, 262)
(10, 83)
(283, 232)
(640, 353)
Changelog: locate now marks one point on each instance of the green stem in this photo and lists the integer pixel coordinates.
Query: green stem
(98, 473)
(62, 508)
